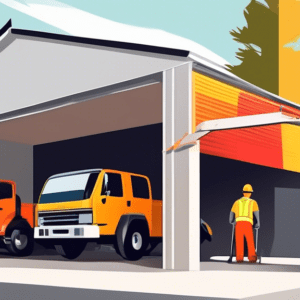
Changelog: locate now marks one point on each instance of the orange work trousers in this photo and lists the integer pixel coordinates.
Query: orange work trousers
(244, 229)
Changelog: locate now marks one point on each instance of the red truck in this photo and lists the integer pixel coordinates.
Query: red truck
(16, 220)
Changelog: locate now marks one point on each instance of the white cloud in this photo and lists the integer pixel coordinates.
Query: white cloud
(80, 23)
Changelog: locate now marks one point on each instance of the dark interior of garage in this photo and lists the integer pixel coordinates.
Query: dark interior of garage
(139, 150)
(222, 181)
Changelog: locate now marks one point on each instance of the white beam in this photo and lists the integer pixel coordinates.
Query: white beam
(234, 123)
(247, 121)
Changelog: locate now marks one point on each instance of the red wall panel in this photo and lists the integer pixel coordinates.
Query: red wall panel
(259, 145)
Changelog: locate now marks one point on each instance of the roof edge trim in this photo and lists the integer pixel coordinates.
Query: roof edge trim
(81, 97)
(104, 43)
(6, 27)
(198, 58)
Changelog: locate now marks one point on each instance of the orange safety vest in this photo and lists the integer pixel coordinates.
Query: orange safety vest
(244, 208)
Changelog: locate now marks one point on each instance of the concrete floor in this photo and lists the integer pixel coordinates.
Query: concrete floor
(104, 271)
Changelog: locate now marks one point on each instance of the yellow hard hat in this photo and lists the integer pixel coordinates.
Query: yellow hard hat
(247, 188)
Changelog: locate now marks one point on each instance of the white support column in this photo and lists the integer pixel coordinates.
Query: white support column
(181, 175)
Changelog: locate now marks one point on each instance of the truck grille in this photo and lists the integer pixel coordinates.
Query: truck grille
(66, 217)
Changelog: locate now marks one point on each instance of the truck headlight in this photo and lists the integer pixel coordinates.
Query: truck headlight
(40, 221)
(85, 218)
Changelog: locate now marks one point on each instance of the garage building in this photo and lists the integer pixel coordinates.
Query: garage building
(71, 103)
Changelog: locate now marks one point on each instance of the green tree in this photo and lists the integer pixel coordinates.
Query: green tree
(260, 39)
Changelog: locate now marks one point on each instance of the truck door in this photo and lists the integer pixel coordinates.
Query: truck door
(112, 204)
(7, 201)
(141, 196)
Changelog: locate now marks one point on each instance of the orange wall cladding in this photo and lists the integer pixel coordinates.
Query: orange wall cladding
(274, 146)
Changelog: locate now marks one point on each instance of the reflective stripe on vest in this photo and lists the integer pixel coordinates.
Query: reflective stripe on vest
(245, 210)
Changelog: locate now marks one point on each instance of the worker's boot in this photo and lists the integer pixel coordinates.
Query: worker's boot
(253, 259)
(239, 259)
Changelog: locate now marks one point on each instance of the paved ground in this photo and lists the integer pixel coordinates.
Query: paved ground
(104, 275)
(10, 291)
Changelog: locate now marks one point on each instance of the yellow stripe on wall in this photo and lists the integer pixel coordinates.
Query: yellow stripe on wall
(218, 90)
(291, 147)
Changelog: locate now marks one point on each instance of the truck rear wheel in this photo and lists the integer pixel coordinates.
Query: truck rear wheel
(70, 249)
(22, 242)
(136, 241)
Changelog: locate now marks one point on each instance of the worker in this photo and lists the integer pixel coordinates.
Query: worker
(241, 215)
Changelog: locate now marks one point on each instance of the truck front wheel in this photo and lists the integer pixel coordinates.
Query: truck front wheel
(22, 242)
(70, 249)
(135, 243)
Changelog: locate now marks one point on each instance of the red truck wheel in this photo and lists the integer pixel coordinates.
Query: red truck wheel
(22, 242)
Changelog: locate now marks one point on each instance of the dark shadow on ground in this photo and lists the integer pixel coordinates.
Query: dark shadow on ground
(95, 258)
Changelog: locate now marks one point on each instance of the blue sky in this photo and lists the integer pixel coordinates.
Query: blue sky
(206, 22)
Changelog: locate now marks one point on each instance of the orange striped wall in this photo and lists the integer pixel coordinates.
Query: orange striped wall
(276, 146)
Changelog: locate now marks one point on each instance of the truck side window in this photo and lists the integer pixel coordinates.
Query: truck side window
(112, 185)
(140, 187)
(5, 190)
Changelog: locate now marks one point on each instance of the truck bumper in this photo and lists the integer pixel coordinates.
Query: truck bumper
(67, 232)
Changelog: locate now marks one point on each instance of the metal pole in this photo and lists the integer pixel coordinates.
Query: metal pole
(256, 246)
(256, 238)
(232, 241)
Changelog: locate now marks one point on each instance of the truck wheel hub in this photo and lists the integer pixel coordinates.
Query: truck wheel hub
(21, 241)
(137, 241)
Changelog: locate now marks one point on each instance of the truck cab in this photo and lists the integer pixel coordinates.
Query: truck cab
(16, 220)
(102, 205)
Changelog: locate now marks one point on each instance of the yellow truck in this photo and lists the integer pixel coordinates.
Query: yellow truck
(102, 205)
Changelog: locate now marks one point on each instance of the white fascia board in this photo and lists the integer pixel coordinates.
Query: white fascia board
(211, 64)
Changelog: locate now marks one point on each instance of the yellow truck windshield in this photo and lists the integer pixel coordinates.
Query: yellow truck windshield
(69, 188)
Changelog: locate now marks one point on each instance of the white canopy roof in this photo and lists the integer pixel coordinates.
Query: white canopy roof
(42, 71)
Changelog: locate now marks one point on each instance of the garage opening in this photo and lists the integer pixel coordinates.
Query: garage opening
(121, 131)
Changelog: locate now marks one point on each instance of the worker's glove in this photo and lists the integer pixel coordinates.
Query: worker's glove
(256, 226)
